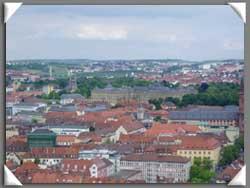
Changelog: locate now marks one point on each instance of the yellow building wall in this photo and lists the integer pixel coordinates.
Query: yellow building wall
(213, 155)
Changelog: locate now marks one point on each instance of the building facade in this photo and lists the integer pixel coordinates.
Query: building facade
(199, 147)
(143, 94)
(155, 169)
(41, 138)
(206, 116)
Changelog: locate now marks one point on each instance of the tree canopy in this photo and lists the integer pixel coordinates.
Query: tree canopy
(214, 94)
(232, 152)
(201, 171)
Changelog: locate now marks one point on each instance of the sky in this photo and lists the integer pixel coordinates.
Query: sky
(190, 32)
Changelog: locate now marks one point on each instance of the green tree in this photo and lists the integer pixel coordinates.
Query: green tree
(37, 161)
(157, 103)
(201, 171)
(212, 94)
(203, 87)
(34, 120)
(231, 153)
(157, 118)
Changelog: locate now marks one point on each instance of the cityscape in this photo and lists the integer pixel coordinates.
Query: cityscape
(123, 120)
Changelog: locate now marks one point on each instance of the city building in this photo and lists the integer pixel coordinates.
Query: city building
(71, 98)
(50, 156)
(156, 168)
(16, 144)
(109, 154)
(31, 107)
(29, 116)
(143, 94)
(67, 129)
(41, 138)
(47, 89)
(199, 146)
(101, 167)
(128, 175)
(172, 129)
(75, 165)
(230, 171)
(206, 116)
(65, 140)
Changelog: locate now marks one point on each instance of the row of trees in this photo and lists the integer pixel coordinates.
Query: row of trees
(86, 85)
(214, 94)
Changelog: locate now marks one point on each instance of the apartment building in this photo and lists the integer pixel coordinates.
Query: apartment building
(158, 169)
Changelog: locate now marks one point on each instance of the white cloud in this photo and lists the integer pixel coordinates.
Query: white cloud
(100, 32)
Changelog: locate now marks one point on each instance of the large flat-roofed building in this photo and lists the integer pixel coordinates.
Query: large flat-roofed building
(41, 138)
(31, 107)
(69, 129)
(115, 95)
(210, 116)
(156, 168)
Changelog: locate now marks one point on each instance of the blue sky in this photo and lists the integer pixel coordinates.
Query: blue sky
(190, 32)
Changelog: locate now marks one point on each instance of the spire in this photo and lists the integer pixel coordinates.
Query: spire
(50, 72)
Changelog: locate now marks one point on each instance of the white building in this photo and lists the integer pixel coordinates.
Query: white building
(158, 169)
(68, 129)
(31, 107)
(70, 98)
(101, 168)
(111, 155)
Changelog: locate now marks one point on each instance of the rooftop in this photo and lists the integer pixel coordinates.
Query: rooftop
(126, 174)
(205, 113)
(171, 129)
(43, 131)
(201, 142)
(156, 158)
(72, 96)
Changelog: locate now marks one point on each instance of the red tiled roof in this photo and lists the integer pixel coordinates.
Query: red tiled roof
(198, 142)
(155, 157)
(166, 139)
(55, 152)
(101, 163)
(45, 177)
(132, 126)
(228, 174)
(158, 113)
(11, 165)
(27, 166)
(102, 180)
(136, 138)
(172, 129)
(52, 117)
(76, 165)
(65, 138)
(90, 135)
